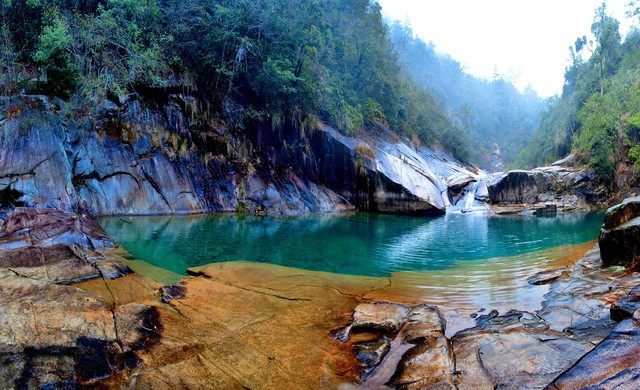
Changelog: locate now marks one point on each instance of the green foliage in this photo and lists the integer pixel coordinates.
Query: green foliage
(54, 53)
(598, 115)
(634, 155)
(250, 59)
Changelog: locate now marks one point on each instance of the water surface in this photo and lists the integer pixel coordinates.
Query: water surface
(356, 244)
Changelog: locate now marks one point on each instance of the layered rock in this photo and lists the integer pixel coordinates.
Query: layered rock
(135, 160)
(67, 337)
(619, 242)
(57, 336)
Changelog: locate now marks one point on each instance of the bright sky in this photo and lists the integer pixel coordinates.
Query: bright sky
(525, 40)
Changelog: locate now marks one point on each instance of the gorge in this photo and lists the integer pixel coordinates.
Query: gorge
(303, 194)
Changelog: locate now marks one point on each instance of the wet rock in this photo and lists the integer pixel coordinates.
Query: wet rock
(54, 336)
(370, 354)
(546, 277)
(459, 181)
(619, 243)
(612, 364)
(516, 350)
(386, 317)
(625, 307)
(423, 322)
(546, 209)
(174, 291)
(426, 366)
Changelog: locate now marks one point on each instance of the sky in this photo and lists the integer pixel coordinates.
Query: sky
(526, 41)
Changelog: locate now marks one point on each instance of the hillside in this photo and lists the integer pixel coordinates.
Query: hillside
(245, 61)
(597, 117)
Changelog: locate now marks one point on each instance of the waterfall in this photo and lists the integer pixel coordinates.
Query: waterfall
(470, 196)
(467, 201)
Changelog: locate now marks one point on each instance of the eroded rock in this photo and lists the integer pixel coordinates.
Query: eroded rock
(46, 227)
(61, 337)
(513, 351)
(371, 353)
(380, 316)
(425, 366)
(612, 364)
(625, 307)
(516, 187)
(56, 246)
(619, 243)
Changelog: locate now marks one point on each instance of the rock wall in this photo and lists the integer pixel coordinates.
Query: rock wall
(132, 159)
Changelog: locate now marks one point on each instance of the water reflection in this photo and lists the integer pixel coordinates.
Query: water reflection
(357, 244)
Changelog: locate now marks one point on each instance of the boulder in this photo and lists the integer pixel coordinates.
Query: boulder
(625, 307)
(457, 182)
(55, 246)
(622, 213)
(370, 354)
(46, 227)
(619, 237)
(516, 187)
(428, 365)
(386, 317)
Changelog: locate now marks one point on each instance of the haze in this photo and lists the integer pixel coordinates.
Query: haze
(527, 42)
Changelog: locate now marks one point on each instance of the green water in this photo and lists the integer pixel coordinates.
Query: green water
(357, 244)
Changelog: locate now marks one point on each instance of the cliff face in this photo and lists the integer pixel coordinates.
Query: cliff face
(138, 160)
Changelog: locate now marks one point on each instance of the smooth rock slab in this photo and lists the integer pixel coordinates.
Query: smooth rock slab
(61, 337)
(614, 363)
(513, 351)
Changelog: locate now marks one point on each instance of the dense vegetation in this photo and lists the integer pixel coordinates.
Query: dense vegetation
(252, 59)
(597, 117)
(491, 114)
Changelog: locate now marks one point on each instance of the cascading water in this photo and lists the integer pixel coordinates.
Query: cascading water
(470, 196)
(468, 202)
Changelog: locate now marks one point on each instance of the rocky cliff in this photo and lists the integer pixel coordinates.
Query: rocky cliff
(134, 159)
(162, 158)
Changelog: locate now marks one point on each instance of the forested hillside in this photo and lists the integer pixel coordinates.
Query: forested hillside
(258, 59)
(491, 114)
(597, 117)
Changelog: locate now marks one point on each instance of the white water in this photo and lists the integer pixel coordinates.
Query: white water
(468, 202)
